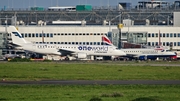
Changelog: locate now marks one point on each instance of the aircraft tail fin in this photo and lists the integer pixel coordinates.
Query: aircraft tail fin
(16, 36)
(106, 40)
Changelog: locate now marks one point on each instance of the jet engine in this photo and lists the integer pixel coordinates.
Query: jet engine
(81, 55)
(144, 57)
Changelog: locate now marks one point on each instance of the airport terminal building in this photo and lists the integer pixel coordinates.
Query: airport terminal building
(142, 25)
(92, 35)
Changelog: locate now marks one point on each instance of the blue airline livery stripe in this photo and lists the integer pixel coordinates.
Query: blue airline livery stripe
(17, 34)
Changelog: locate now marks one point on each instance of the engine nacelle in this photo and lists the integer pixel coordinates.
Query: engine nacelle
(81, 55)
(147, 57)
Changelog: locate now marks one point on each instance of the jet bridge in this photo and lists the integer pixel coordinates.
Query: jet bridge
(3, 44)
(134, 39)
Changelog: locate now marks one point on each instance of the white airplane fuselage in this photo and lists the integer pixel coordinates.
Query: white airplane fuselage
(143, 54)
(100, 50)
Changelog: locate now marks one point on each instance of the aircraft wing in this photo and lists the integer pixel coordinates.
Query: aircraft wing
(66, 51)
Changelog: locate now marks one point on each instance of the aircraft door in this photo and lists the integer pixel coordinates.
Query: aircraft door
(111, 49)
(34, 47)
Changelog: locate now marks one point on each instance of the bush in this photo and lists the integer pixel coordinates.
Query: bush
(46, 60)
(115, 94)
(95, 99)
(146, 99)
(20, 60)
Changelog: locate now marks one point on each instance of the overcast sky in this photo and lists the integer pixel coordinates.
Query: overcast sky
(48, 3)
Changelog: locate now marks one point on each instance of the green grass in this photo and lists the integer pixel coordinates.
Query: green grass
(86, 71)
(86, 92)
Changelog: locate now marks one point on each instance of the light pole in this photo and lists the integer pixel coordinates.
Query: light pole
(120, 26)
(6, 24)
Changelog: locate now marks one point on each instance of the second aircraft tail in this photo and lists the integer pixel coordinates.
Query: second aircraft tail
(16, 36)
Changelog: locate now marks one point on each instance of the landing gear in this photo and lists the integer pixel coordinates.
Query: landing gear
(67, 58)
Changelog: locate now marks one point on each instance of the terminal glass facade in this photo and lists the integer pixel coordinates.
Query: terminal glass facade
(137, 37)
(2, 43)
(129, 37)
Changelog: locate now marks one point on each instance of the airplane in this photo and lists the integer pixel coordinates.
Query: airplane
(79, 51)
(152, 54)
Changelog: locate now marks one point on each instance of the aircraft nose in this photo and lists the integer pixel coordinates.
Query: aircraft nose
(122, 53)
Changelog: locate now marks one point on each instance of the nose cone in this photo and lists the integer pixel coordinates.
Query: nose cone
(123, 53)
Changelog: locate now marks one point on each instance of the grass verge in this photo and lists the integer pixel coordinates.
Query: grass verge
(65, 71)
(90, 92)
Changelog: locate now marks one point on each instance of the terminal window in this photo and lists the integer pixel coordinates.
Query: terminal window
(167, 43)
(29, 35)
(94, 43)
(178, 43)
(51, 35)
(167, 35)
(44, 35)
(156, 43)
(152, 43)
(156, 34)
(164, 35)
(178, 34)
(98, 43)
(163, 43)
(36, 34)
(171, 35)
(47, 35)
(152, 34)
(33, 35)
